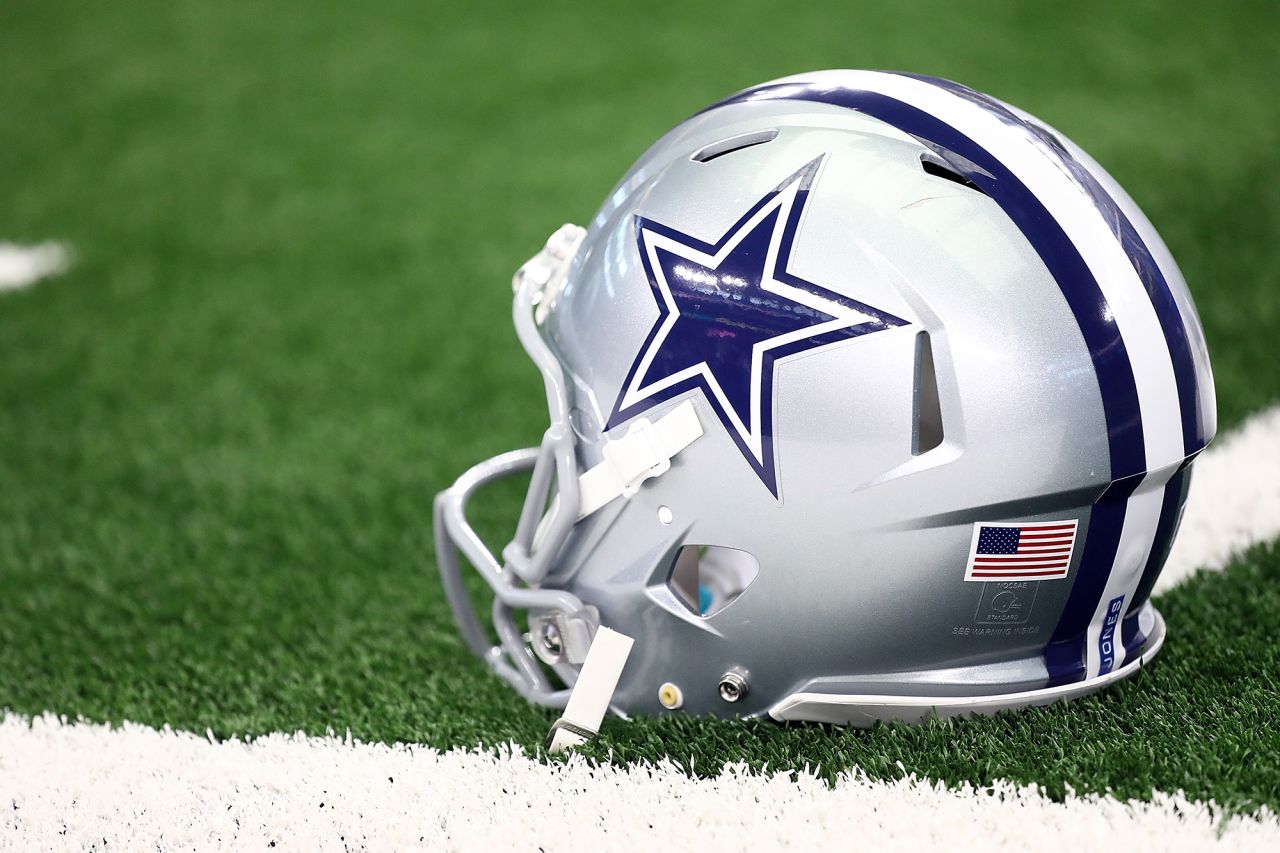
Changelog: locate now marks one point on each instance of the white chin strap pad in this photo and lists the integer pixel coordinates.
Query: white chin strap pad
(644, 452)
(592, 692)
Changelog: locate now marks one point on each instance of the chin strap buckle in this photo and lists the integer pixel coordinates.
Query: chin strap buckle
(559, 637)
(592, 692)
(645, 451)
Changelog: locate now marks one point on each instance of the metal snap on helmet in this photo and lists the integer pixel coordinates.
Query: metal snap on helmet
(872, 397)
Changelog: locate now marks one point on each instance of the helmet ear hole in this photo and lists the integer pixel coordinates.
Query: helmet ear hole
(708, 578)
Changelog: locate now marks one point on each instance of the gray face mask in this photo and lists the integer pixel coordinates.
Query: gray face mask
(871, 397)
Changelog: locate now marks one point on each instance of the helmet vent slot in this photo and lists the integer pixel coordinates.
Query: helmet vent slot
(708, 578)
(733, 143)
(936, 166)
(926, 429)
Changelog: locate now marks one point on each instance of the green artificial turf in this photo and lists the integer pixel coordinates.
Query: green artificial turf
(288, 327)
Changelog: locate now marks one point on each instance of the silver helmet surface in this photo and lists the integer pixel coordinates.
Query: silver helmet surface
(871, 397)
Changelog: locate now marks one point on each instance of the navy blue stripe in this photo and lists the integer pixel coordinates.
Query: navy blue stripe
(1131, 635)
(1073, 276)
(1064, 656)
(1135, 248)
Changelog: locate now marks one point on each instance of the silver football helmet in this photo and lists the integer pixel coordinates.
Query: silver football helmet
(871, 397)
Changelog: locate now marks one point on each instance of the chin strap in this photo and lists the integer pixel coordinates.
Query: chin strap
(592, 692)
(645, 451)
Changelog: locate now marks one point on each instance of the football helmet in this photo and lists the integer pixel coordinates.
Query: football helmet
(872, 397)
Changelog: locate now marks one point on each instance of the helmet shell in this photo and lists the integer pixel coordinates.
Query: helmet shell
(863, 538)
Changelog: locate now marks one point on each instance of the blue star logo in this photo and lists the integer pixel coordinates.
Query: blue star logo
(727, 311)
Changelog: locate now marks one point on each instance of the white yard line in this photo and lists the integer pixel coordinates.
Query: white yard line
(84, 786)
(23, 266)
(87, 786)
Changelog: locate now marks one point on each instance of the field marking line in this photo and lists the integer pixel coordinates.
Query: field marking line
(23, 266)
(88, 786)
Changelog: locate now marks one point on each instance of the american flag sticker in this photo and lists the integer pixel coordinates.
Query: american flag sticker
(1039, 551)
